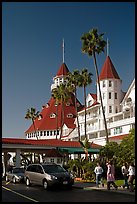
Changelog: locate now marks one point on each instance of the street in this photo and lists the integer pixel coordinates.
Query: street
(21, 193)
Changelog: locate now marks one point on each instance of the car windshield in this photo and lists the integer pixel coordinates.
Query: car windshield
(53, 168)
(18, 170)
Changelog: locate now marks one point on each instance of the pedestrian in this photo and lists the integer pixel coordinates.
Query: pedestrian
(124, 170)
(98, 171)
(131, 173)
(111, 175)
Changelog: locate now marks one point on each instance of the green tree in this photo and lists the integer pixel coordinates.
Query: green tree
(85, 80)
(62, 95)
(126, 151)
(73, 82)
(56, 96)
(33, 115)
(93, 43)
(85, 145)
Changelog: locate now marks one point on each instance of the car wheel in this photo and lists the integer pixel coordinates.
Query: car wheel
(45, 185)
(28, 182)
(14, 180)
(69, 186)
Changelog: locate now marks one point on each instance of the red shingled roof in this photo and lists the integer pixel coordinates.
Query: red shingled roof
(48, 123)
(48, 142)
(63, 70)
(108, 70)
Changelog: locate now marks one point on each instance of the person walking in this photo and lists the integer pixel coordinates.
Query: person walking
(111, 175)
(98, 171)
(131, 173)
(124, 170)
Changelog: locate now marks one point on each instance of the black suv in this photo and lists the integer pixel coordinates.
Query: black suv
(47, 175)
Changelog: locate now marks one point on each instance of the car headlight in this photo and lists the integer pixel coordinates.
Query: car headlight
(72, 176)
(51, 177)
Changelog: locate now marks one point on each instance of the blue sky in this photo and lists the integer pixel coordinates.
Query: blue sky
(32, 34)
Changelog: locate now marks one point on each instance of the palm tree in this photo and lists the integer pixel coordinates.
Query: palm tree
(93, 43)
(85, 80)
(33, 115)
(72, 83)
(85, 145)
(62, 95)
(56, 96)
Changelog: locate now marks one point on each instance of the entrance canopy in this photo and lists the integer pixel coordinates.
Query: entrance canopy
(77, 150)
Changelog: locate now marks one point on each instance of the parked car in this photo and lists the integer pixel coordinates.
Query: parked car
(48, 175)
(15, 175)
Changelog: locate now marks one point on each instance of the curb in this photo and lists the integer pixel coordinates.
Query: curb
(104, 189)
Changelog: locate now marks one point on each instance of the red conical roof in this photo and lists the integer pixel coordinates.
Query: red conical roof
(108, 70)
(63, 70)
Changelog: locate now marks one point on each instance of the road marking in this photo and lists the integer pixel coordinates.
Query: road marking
(8, 182)
(19, 194)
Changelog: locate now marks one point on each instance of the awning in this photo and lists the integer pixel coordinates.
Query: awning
(76, 150)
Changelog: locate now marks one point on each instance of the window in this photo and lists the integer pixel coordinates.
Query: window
(52, 160)
(110, 83)
(104, 84)
(109, 95)
(110, 109)
(89, 103)
(115, 95)
(116, 110)
(67, 104)
(117, 130)
(70, 115)
(52, 115)
(47, 105)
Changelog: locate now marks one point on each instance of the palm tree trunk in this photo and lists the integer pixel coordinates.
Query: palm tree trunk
(62, 119)
(77, 114)
(97, 75)
(35, 129)
(56, 120)
(85, 112)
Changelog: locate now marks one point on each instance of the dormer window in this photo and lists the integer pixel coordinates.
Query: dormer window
(40, 117)
(47, 105)
(52, 115)
(67, 104)
(43, 107)
(78, 104)
(70, 115)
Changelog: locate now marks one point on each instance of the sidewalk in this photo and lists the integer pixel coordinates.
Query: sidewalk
(92, 186)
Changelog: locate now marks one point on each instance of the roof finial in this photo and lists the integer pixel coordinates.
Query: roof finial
(63, 46)
(107, 47)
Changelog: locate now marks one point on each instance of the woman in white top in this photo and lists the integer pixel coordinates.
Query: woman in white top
(131, 173)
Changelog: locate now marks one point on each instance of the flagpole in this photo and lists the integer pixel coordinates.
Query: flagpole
(63, 46)
(107, 47)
